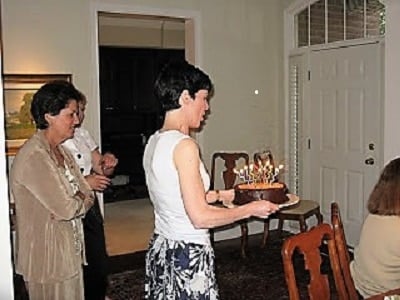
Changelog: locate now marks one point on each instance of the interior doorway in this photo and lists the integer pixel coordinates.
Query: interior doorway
(335, 116)
(345, 140)
(136, 30)
(132, 50)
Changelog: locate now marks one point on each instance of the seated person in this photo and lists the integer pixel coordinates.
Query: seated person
(376, 265)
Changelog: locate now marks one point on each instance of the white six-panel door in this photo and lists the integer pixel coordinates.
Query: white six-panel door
(345, 130)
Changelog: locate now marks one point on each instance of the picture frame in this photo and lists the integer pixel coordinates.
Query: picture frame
(18, 92)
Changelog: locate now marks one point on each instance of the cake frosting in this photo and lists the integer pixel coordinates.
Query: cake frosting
(273, 192)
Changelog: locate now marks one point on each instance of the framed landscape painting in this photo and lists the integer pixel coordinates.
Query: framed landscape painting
(18, 92)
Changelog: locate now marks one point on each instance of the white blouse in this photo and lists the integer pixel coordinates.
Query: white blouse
(81, 147)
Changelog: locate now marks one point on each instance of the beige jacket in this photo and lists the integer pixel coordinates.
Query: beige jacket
(47, 212)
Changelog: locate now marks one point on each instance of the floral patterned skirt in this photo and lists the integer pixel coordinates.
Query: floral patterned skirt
(179, 270)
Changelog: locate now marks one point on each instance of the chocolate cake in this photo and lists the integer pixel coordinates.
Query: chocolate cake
(247, 192)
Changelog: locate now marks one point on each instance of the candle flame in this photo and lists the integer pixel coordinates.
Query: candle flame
(262, 171)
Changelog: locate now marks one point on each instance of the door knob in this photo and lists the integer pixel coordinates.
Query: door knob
(369, 161)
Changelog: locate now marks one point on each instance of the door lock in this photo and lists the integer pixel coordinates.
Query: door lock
(369, 161)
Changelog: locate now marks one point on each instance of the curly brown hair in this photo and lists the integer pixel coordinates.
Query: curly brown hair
(385, 197)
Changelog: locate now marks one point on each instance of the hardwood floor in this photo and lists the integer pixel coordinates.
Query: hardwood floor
(128, 225)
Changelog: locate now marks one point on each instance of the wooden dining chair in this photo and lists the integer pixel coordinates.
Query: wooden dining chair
(343, 252)
(308, 244)
(228, 176)
(300, 212)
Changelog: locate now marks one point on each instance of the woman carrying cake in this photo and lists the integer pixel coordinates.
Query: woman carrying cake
(180, 259)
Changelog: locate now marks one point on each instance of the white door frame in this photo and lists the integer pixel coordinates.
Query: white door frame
(391, 144)
(348, 117)
(193, 49)
(6, 266)
(193, 25)
(290, 50)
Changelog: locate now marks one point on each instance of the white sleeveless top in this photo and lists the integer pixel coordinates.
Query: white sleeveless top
(171, 219)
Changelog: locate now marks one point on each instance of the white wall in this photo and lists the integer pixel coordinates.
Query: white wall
(44, 36)
(6, 276)
(392, 79)
(239, 45)
(241, 48)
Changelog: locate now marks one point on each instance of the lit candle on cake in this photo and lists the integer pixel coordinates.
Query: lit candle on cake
(260, 180)
(262, 172)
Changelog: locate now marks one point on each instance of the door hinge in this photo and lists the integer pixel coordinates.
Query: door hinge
(309, 75)
(309, 143)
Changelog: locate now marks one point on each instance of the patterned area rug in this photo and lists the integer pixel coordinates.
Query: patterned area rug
(259, 276)
(127, 285)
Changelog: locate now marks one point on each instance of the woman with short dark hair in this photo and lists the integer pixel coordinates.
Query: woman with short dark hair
(51, 197)
(180, 258)
(376, 265)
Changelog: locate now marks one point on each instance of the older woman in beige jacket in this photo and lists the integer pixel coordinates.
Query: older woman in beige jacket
(51, 197)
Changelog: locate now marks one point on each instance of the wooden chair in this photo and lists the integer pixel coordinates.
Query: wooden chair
(308, 244)
(341, 245)
(229, 178)
(300, 212)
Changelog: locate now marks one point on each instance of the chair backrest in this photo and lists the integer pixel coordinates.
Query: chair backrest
(228, 175)
(263, 156)
(308, 243)
(341, 245)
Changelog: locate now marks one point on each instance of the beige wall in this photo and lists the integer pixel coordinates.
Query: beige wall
(241, 48)
(49, 37)
(140, 37)
(239, 43)
(243, 54)
(137, 31)
(54, 36)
